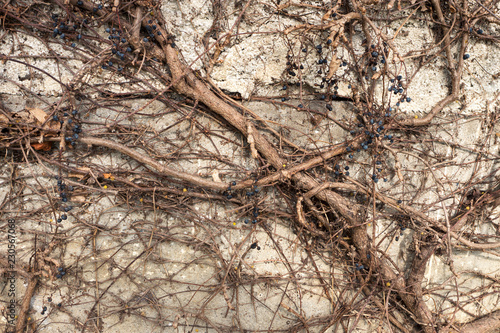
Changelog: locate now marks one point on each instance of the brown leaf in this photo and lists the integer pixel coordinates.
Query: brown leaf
(45, 146)
(39, 114)
(334, 65)
(41, 117)
(78, 198)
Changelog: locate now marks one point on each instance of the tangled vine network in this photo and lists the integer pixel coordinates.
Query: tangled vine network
(249, 166)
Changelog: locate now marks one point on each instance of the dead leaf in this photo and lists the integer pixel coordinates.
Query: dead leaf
(45, 146)
(76, 175)
(39, 114)
(215, 176)
(78, 198)
(41, 117)
(376, 75)
(334, 65)
(23, 116)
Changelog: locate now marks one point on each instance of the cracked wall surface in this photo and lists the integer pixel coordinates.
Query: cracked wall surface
(165, 258)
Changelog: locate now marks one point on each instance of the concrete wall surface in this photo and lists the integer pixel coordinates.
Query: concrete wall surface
(157, 213)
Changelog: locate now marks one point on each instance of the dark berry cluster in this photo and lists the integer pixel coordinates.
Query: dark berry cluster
(61, 27)
(63, 194)
(66, 30)
(338, 171)
(96, 8)
(358, 267)
(329, 83)
(255, 212)
(151, 29)
(61, 272)
(255, 209)
(255, 246)
(379, 172)
(71, 119)
(478, 31)
(291, 67)
(255, 215)
(375, 59)
(228, 194)
(397, 87)
(120, 47)
(402, 228)
(254, 191)
(72, 32)
(371, 126)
